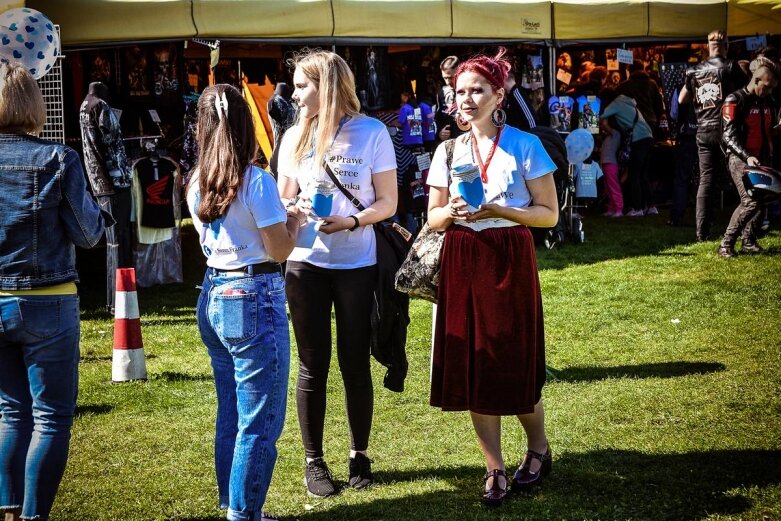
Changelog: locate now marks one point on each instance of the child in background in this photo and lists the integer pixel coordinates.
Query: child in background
(610, 142)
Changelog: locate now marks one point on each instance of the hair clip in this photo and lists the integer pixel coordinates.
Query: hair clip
(221, 104)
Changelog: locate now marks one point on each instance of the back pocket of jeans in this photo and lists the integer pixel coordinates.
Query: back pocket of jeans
(40, 319)
(233, 315)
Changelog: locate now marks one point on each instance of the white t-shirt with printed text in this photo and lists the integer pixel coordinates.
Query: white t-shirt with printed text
(362, 148)
(519, 157)
(233, 241)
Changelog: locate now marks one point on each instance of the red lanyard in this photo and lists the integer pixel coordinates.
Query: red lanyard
(476, 149)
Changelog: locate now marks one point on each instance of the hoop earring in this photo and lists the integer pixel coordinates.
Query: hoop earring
(499, 117)
(462, 123)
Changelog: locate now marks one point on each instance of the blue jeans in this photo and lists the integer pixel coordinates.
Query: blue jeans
(39, 357)
(243, 324)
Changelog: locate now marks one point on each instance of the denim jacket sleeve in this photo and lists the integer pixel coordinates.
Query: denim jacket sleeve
(79, 211)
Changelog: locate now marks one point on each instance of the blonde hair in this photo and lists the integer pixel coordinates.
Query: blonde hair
(22, 110)
(717, 35)
(336, 93)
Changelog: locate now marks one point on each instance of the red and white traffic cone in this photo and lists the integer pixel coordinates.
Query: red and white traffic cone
(128, 361)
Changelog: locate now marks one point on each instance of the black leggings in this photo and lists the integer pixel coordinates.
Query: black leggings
(311, 291)
(639, 191)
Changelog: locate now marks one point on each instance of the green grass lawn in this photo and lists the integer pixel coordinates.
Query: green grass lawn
(666, 405)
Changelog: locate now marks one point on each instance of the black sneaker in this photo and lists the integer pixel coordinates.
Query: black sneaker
(318, 480)
(360, 471)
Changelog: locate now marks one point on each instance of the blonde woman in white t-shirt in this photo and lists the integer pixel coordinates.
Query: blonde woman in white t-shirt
(489, 346)
(334, 265)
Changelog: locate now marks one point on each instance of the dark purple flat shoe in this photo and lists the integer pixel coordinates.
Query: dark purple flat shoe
(494, 496)
(525, 479)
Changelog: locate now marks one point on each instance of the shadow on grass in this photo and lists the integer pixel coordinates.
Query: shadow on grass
(92, 357)
(601, 484)
(172, 376)
(93, 409)
(657, 370)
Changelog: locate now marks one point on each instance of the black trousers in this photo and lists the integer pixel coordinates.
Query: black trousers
(311, 292)
(639, 190)
(748, 215)
(685, 170)
(711, 169)
(119, 239)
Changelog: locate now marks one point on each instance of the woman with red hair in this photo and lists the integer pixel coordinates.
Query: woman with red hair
(488, 187)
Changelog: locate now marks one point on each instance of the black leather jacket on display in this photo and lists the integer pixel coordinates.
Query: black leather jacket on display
(709, 82)
(748, 121)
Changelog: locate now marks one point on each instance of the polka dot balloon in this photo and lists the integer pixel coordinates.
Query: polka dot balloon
(580, 144)
(27, 36)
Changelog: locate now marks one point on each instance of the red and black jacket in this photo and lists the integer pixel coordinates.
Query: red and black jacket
(748, 121)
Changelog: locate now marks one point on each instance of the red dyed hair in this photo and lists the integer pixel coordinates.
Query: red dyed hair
(494, 70)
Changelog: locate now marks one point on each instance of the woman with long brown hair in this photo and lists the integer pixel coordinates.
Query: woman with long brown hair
(245, 233)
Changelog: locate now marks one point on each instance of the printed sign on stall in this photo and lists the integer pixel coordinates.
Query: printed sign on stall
(754, 43)
(563, 76)
(624, 56)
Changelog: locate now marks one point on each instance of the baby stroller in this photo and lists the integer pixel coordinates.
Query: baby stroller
(569, 226)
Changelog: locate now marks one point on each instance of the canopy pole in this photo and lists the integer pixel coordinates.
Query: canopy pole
(552, 71)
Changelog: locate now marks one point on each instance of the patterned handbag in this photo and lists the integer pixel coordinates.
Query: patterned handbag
(418, 275)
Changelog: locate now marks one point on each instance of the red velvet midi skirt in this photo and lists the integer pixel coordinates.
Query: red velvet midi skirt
(489, 342)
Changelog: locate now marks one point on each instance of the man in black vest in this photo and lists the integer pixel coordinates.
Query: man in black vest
(707, 84)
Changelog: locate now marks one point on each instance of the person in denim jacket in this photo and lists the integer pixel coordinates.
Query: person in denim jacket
(46, 211)
(244, 232)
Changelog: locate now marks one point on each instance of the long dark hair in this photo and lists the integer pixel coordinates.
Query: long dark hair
(226, 147)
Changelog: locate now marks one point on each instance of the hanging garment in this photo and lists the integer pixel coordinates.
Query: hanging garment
(158, 252)
(156, 179)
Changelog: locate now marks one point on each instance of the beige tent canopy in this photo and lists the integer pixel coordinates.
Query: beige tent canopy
(107, 21)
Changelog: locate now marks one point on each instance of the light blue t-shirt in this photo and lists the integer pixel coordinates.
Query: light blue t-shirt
(586, 175)
(233, 241)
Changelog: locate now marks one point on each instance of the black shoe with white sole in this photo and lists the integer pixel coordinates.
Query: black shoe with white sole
(318, 480)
